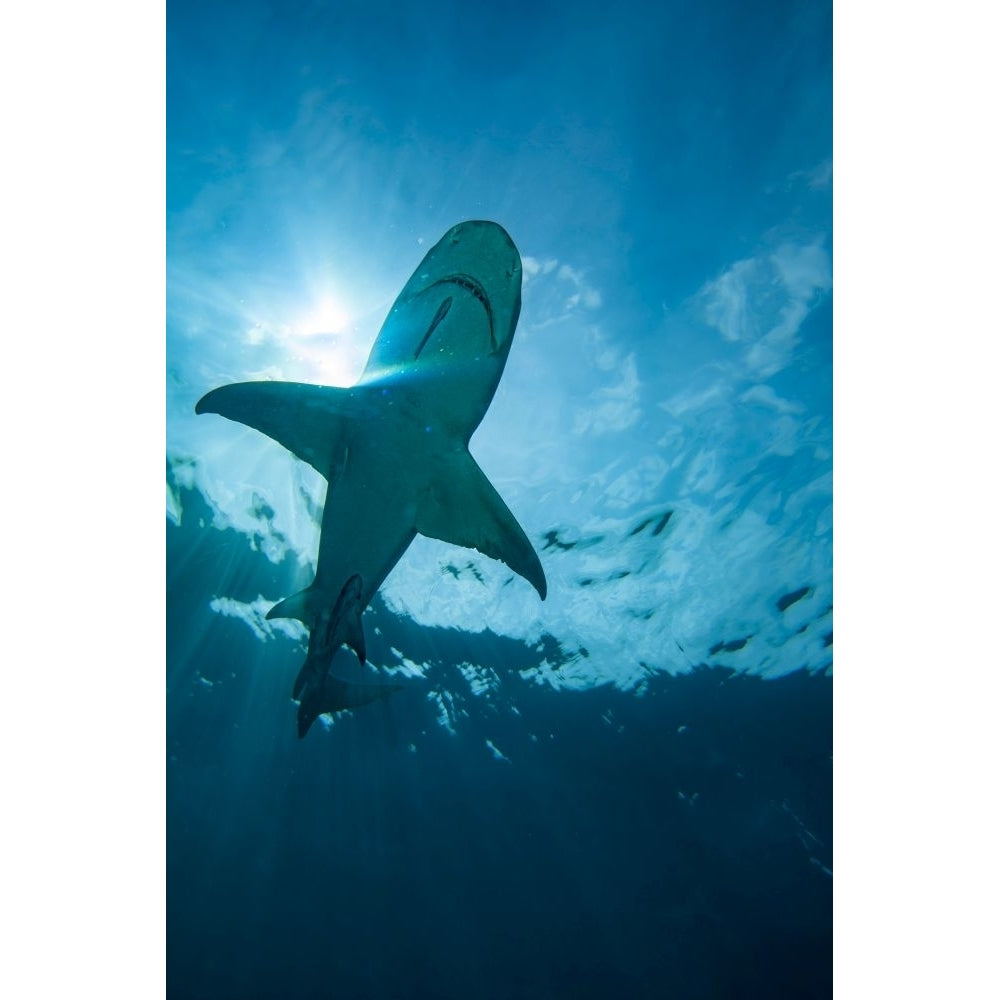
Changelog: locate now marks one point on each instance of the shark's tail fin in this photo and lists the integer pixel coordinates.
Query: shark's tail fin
(313, 671)
(336, 626)
(308, 673)
(310, 708)
(337, 695)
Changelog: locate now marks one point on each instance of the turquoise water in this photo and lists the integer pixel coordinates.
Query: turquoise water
(624, 788)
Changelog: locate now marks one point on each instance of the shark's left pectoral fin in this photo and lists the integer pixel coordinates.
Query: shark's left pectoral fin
(311, 421)
(463, 508)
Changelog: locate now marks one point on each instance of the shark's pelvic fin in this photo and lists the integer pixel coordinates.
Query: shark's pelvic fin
(311, 421)
(463, 508)
(305, 606)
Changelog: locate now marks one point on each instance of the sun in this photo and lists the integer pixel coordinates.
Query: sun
(328, 315)
(324, 341)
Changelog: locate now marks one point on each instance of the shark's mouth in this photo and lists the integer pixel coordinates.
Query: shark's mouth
(470, 284)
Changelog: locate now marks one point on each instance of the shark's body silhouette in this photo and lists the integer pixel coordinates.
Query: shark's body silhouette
(394, 447)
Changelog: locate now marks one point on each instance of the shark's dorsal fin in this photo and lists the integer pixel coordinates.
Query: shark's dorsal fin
(309, 420)
(463, 508)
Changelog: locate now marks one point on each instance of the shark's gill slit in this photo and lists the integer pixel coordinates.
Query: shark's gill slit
(438, 316)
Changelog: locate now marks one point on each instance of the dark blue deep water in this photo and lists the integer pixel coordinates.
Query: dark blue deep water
(675, 845)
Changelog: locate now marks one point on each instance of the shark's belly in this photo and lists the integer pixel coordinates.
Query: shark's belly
(369, 517)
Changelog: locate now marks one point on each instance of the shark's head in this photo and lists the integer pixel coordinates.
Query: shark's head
(457, 312)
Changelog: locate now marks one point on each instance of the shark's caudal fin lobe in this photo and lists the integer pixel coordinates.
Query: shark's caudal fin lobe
(300, 680)
(311, 421)
(463, 508)
(337, 695)
(307, 714)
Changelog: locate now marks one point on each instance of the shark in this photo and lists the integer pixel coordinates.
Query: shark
(394, 448)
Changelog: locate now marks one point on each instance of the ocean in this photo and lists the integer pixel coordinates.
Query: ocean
(624, 789)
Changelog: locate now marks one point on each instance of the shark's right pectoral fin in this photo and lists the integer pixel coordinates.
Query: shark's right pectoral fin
(311, 421)
(463, 508)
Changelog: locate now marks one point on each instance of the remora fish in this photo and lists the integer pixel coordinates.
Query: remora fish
(394, 447)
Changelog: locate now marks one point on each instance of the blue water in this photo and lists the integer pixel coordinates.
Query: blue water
(625, 790)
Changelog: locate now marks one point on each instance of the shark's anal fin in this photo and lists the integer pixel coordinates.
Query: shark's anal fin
(354, 636)
(311, 421)
(343, 627)
(463, 508)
